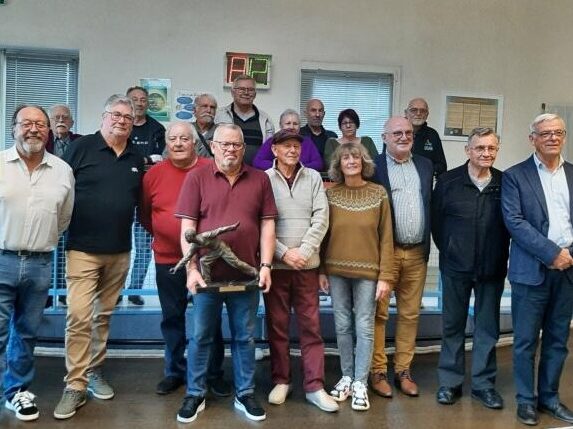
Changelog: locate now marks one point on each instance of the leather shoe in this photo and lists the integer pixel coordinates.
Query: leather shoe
(379, 384)
(169, 384)
(448, 395)
(527, 414)
(560, 412)
(489, 398)
(135, 300)
(404, 381)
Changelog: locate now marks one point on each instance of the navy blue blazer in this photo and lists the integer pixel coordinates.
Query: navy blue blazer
(525, 215)
(426, 172)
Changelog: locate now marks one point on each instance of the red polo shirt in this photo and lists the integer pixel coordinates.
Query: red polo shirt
(208, 197)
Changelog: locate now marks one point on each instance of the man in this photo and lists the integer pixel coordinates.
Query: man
(148, 137)
(61, 135)
(59, 138)
(468, 230)
(204, 109)
(108, 172)
(408, 181)
(314, 116)
(255, 124)
(427, 142)
(226, 192)
(36, 201)
(301, 226)
(161, 186)
(537, 204)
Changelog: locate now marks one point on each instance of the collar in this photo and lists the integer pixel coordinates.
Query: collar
(395, 161)
(13, 155)
(102, 145)
(217, 172)
(541, 166)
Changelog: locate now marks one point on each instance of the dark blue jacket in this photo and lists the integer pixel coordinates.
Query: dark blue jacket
(526, 217)
(468, 228)
(425, 171)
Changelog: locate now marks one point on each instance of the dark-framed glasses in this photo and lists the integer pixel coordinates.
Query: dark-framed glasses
(230, 145)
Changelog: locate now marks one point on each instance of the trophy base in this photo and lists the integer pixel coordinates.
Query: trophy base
(229, 286)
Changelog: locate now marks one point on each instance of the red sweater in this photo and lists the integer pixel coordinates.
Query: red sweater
(161, 186)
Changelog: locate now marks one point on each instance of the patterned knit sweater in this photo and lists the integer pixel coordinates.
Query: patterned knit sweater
(359, 243)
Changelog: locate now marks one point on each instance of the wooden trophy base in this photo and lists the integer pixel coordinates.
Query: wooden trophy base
(229, 286)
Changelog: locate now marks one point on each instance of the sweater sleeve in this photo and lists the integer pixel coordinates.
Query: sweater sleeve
(311, 240)
(386, 241)
(310, 156)
(329, 148)
(368, 143)
(264, 158)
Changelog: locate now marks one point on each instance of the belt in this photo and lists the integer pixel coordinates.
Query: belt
(407, 246)
(23, 253)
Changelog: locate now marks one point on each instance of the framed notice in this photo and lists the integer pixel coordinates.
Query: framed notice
(463, 113)
(258, 66)
(159, 91)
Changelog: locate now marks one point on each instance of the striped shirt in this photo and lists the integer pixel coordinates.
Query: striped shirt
(407, 203)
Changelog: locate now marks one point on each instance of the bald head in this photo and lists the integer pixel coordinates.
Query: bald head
(314, 113)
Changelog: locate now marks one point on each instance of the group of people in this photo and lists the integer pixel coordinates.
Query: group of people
(360, 237)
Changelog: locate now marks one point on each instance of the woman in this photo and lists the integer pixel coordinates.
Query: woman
(309, 157)
(348, 123)
(356, 267)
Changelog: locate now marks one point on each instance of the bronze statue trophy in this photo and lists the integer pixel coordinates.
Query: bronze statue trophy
(217, 249)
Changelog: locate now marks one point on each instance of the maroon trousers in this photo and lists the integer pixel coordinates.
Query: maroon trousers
(299, 290)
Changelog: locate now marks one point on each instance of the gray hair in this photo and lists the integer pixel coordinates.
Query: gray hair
(211, 98)
(118, 99)
(418, 99)
(244, 77)
(482, 132)
(221, 127)
(190, 129)
(288, 112)
(335, 172)
(60, 106)
(542, 118)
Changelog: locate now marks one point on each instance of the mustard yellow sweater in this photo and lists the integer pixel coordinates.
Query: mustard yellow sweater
(359, 243)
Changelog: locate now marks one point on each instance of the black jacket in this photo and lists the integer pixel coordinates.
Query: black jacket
(468, 228)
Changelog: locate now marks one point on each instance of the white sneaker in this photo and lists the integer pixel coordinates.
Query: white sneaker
(23, 405)
(279, 394)
(322, 400)
(342, 389)
(360, 400)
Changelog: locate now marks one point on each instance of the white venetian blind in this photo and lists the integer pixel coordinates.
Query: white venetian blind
(38, 77)
(370, 94)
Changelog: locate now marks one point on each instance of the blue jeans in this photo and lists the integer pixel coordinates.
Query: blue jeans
(358, 294)
(142, 244)
(546, 307)
(24, 285)
(172, 293)
(242, 311)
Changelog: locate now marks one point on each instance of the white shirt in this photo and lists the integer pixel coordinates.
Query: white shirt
(34, 208)
(556, 193)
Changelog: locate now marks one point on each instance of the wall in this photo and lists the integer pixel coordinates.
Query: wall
(514, 48)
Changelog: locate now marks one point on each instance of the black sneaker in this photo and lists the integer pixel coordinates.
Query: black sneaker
(219, 387)
(135, 300)
(250, 406)
(23, 405)
(192, 405)
(169, 384)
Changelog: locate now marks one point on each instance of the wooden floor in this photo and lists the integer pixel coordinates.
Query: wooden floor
(137, 406)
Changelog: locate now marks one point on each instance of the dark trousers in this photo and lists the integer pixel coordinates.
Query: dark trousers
(173, 299)
(547, 307)
(456, 293)
(299, 290)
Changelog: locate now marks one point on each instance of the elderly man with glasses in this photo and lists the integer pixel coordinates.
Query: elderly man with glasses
(220, 194)
(255, 124)
(468, 229)
(108, 172)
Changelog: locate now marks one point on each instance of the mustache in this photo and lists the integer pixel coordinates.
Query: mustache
(61, 124)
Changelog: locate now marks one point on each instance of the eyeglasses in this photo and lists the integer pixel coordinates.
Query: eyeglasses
(347, 124)
(230, 145)
(60, 117)
(417, 111)
(244, 89)
(40, 125)
(480, 150)
(548, 134)
(398, 134)
(116, 116)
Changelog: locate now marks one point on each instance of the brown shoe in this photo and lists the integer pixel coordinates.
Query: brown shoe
(379, 384)
(406, 383)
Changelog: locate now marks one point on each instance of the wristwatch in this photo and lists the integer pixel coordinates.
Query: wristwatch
(264, 264)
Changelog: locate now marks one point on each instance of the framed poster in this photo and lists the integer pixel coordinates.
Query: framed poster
(159, 95)
(464, 112)
(258, 66)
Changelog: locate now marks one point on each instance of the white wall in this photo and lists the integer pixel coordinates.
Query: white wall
(515, 48)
